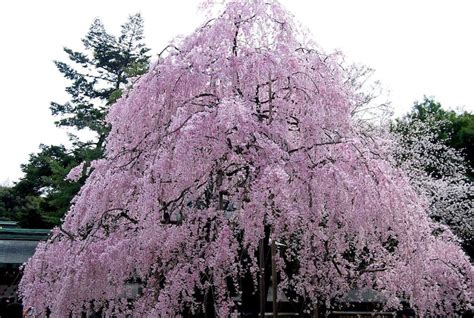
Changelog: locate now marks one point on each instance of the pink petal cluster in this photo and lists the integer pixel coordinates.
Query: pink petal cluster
(241, 131)
(76, 173)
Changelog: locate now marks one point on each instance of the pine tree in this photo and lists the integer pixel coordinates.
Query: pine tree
(99, 74)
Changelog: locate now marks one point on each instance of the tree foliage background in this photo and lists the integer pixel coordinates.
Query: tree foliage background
(433, 147)
(98, 74)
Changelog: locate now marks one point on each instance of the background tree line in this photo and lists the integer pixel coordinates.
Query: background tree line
(435, 149)
(97, 74)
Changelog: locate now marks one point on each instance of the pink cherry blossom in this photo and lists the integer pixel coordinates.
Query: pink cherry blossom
(242, 131)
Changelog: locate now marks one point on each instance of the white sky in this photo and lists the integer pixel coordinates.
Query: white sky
(417, 47)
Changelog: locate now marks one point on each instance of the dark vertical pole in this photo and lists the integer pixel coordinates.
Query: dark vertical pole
(262, 278)
(274, 281)
(206, 315)
(270, 98)
(316, 311)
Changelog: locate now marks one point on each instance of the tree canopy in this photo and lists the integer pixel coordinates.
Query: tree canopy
(433, 148)
(42, 196)
(241, 134)
(98, 74)
(454, 129)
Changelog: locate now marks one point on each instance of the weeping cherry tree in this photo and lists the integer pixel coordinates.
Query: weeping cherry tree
(241, 134)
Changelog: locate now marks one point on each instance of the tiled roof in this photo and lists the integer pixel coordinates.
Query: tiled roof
(23, 234)
(364, 295)
(16, 252)
(18, 245)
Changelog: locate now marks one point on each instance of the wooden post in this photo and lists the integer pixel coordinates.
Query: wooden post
(274, 281)
(206, 300)
(270, 93)
(262, 278)
(316, 311)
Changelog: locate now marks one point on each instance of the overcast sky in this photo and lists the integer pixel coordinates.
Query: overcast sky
(417, 47)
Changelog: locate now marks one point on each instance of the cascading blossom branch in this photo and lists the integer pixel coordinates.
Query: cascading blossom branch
(242, 132)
